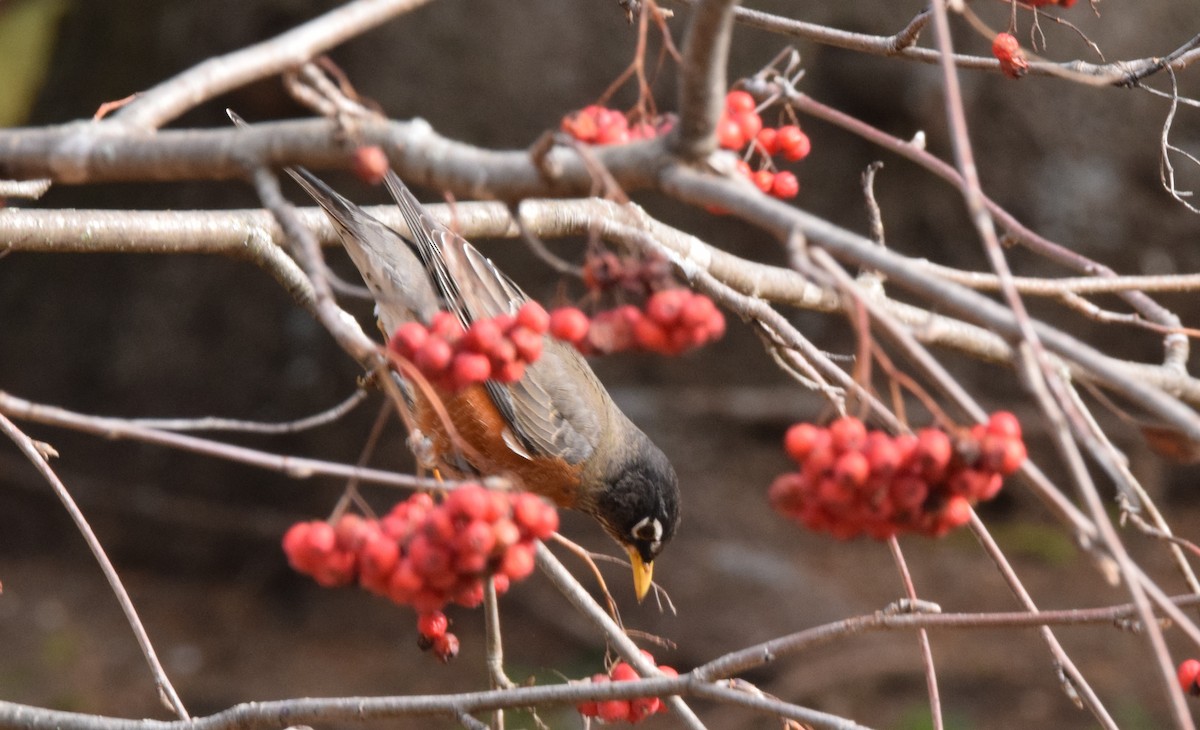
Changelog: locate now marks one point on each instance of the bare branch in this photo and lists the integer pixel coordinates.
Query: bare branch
(171, 98)
(166, 690)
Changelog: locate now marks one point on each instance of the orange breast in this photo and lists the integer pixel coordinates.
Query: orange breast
(478, 423)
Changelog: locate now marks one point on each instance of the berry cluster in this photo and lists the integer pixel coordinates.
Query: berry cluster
(631, 711)
(428, 555)
(671, 322)
(1040, 3)
(636, 274)
(498, 348)
(741, 129)
(1189, 677)
(1007, 51)
(600, 125)
(853, 482)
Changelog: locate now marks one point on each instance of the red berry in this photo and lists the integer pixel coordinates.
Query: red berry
(587, 709)
(370, 164)
(470, 595)
(739, 101)
(882, 455)
(642, 130)
(534, 516)
(570, 324)
(1005, 46)
(642, 707)
(612, 710)
(932, 452)
(518, 561)
(471, 367)
(404, 582)
(698, 311)
(433, 624)
(665, 306)
(1001, 454)
(482, 336)
(509, 372)
(744, 168)
(446, 326)
(469, 501)
(445, 647)
(623, 672)
(955, 513)
(507, 532)
(1007, 51)
(434, 356)
(527, 342)
(476, 537)
(847, 434)
(801, 439)
(768, 140)
(787, 493)
(792, 142)
(729, 134)
(750, 124)
(651, 336)
(582, 124)
(851, 469)
(1003, 423)
(1189, 669)
(533, 316)
(819, 461)
(408, 338)
(785, 185)
(764, 180)
(427, 558)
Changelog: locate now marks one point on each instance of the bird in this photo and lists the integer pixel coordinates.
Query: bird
(556, 431)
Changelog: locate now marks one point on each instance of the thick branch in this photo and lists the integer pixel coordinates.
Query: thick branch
(702, 78)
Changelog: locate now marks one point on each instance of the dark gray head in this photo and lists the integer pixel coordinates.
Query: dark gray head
(639, 506)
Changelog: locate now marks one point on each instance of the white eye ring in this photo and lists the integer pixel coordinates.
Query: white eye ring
(648, 524)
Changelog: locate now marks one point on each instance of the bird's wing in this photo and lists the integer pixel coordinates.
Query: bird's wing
(557, 408)
(387, 262)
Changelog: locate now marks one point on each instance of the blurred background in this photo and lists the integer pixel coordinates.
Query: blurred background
(197, 540)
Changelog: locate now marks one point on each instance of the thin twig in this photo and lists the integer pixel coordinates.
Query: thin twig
(212, 423)
(293, 466)
(562, 579)
(931, 683)
(166, 690)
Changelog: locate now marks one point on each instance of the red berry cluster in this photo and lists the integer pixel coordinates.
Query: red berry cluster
(741, 128)
(605, 270)
(1007, 51)
(671, 322)
(498, 348)
(631, 711)
(853, 482)
(600, 125)
(428, 555)
(1189, 677)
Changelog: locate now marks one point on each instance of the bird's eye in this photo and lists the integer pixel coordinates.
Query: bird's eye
(648, 529)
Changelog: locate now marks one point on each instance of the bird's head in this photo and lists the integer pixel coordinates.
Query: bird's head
(639, 508)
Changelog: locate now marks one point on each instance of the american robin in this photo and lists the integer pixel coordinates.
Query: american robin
(556, 430)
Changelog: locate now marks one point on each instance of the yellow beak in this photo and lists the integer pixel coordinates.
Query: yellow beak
(643, 574)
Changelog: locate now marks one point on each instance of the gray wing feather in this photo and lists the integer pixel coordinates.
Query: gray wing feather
(387, 263)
